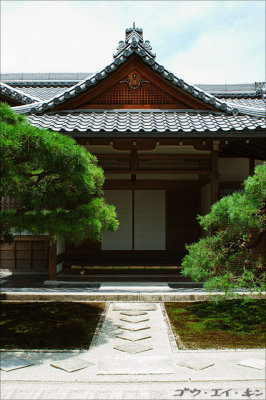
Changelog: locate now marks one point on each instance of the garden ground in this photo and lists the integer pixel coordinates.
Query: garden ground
(71, 325)
(42, 381)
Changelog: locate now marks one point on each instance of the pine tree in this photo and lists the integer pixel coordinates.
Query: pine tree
(230, 258)
(56, 182)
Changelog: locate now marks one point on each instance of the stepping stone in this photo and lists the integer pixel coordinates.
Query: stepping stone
(134, 328)
(135, 366)
(133, 313)
(133, 336)
(257, 363)
(11, 363)
(134, 307)
(133, 348)
(71, 365)
(135, 320)
(196, 364)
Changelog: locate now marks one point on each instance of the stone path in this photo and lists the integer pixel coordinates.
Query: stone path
(131, 340)
(133, 356)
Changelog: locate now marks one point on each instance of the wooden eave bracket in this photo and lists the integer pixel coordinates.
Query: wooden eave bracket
(216, 145)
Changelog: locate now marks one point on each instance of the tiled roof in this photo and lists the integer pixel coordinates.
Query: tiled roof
(17, 95)
(133, 44)
(246, 99)
(231, 87)
(140, 121)
(44, 76)
(253, 102)
(43, 92)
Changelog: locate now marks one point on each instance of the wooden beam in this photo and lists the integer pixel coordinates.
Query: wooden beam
(52, 261)
(157, 171)
(174, 156)
(149, 184)
(113, 156)
(103, 141)
(136, 144)
(115, 106)
(147, 156)
(143, 156)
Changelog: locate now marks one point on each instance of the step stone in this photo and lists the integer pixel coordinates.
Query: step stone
(133, 348)
(134, 328)
(133, 313)
(133, 336)
(11, 363)
(257, 363)
(196, 364)
(134, 321)
(71, 365)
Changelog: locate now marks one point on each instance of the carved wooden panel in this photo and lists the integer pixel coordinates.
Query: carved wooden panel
(135, 89)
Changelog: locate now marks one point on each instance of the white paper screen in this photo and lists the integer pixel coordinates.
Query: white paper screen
(122, 238)
(149, 220)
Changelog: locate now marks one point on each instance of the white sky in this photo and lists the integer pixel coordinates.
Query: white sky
(199, 41)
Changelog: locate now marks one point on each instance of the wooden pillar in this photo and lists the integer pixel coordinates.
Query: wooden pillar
(214, 173)
(133, 164)
(52, 261)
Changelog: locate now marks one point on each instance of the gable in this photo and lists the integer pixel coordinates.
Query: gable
(134, 85)
(134, 80)
(134, 90)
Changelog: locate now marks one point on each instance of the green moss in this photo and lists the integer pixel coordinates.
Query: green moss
(227, 324)
(48, 325)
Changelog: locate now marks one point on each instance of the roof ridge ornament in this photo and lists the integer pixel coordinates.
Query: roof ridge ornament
(134, 40)
(139, 31)
(134, 44)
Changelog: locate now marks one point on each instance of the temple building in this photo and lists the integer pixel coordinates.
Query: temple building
(169, 150)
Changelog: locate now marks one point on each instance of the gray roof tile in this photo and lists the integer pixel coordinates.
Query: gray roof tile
(17, 95)
(58, 92)
(43, 93)
(152, 121)
(134, 44)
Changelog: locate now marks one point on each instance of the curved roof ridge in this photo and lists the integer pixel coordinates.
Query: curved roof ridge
(133, 44)
(17, 95)
(249, 110)
(120, 59)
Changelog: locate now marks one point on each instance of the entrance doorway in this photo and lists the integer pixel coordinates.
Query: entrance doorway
(155, 226)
